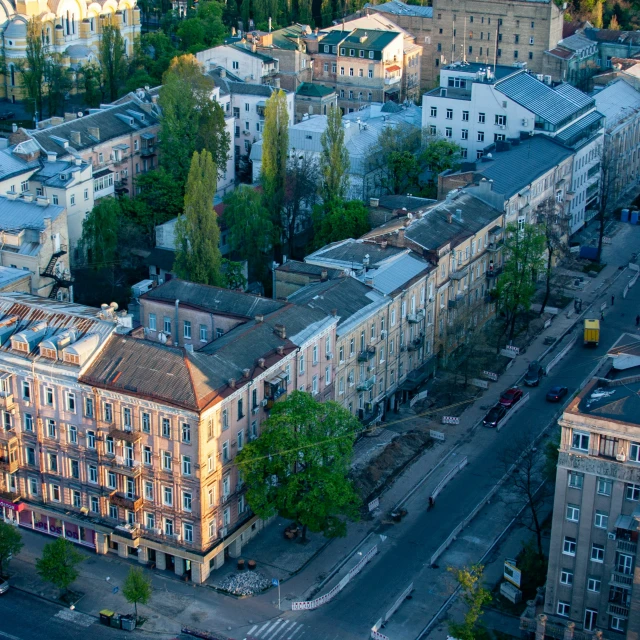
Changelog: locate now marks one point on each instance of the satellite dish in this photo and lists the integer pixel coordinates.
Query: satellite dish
(79, 114)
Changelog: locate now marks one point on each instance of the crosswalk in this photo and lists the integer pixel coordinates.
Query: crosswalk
(278, 629)
(75, 617)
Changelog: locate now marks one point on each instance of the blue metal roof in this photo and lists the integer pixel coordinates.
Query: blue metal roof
(580, 127)
(573, 94)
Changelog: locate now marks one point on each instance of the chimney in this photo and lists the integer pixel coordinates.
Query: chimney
(246, 373)
(175, 330)
(95, 132)
(368, 280)
(261, 363)
(223, 73)
(75, 137)
(259, 318)
(189, 348)
(324, 275)
(449, 218)
(334, 312)
(280, 350)
(281, 331)
(14, 128)
(70, 116)
(42, 201)
(232, 383)
(52, 156)
(384, 244)
(459, 214)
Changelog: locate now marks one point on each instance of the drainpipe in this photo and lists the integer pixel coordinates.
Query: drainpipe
(175, 339)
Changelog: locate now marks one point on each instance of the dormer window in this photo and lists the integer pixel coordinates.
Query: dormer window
(63, 176)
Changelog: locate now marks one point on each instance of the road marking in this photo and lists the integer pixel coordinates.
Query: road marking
(81, 619)
(262, 628)
(272, 629)
(9, 636)
(296, 631)
(255, 626)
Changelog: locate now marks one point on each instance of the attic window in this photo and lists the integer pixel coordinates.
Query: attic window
(63, 176)
(48, 353)
(71, 358)
(20, 346)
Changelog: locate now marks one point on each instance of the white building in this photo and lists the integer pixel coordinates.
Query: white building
(477, 106)
(243, 60)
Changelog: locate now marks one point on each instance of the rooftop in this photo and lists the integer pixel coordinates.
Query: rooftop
(246, 48)
(498, 72)
(576, 42)
(617, 102)
(11, 165)
(553, 105)
(313, 90)
(9, 275)
(294, 266)
(351, 254)
(19, 214)
(613, 36)
(375, 40)
(395, 7)
(397, 274)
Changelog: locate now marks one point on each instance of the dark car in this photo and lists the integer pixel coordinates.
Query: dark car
(7, 116)
(510, 397)
(555, 394)
(494, 416)
(4, 586)
(534, 374)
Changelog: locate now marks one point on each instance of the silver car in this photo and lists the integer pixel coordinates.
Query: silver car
(4, 586)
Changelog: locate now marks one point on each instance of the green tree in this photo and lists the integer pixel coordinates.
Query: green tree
(192, 35)
(10, 544)
(198, 256)
(340, 221)
(402, 172)
(250, 230)
(100, 232)
(614, 25)
(275, 150)
(438, 155)
(153, 52)
(58, 82)
(523, 261)
(301, 194)
(334, 159)
(58, 564)
(161, 196)
(113, 60)
(88, 79)
(299, 465)
(233, 274)
(34, 67)
(136, 588)
(475, 597)
(213, 135)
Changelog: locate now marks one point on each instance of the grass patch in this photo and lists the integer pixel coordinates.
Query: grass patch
(594, 266)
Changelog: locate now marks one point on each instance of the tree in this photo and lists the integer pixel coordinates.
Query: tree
(136, 588)
(58, 82)
(275, 151)
(198, 257)
(10, 544)
(614, 25)
(162, 199)
(554, 225)
(153, 53)
(299, 465)
(113, 58)
(523, 260)
(475, 596)
(191, 121)
(334, 159)
(58, 564)
(439, 155)
(402, 172)
(250, 230)
(34, 69)
(301, 193)
(233, 275)
(339, 221)
(88, 78)
(100, 233)
(609, 189)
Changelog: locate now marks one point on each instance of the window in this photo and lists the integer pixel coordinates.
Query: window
(77, 499)
(601, 520)
(624, 564)
(111, 480)
(448, 132)
(515, 55)
(51, 428)
(580, 441)
(597, 553)
(86, 194)
(225, 451)
(166, 325)
(24, 186)
(166, 460)
(166, 428)
(55, 492)
(55, 197)
(501, 120)
(301, 363)
(566, 577)
(563, 608)
(187, 329)
(31, 456)
(145, 421)
(26, 391)
(108, 412)
(632, 492)
(167, 496)
(203, 333)
(148, 490)
(569, 546)
(449, 115)
(590, 619)
(617, 624)
(314, 385)
(73, 435)
(186, 433)
(481, 118)
(186, 501)
(530, 55)
(94, 504)
(147, 455)
(465, 116)
(604, 486)
(187, 532)
(88, 407)
(371, 55)
(593, 584)
(634, 452)
(326, 65)
(113, 511)
(531, 40)
(341, 71)
(434, 112)
(168, 526)
(48, 396)
(110, 445)
(573, 513)
(126, 418)
(186, 465)
(480, 136)
(465, 134)
(72, 200)
(91, 439)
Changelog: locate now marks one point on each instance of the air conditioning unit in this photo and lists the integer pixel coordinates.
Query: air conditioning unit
(383, 334)
(502, 126)
(255, 410)
(620, 457)
(156, 530)
(264, 403)
(525, 122)
(222, 532)
(329, 356)
(612, 535)
(246, 133)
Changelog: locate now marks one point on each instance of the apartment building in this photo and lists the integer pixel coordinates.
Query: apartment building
(574, 59)
(134, 440)
(462, 238)
(242, 60)
(293, 275)
(35, 238)
(477, 107)
(592, 581)
(619, 102)
(394, 350)
(314, 99)
(72, 30)
(366, 65)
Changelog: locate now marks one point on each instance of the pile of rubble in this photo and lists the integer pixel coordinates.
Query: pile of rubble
(247, 583)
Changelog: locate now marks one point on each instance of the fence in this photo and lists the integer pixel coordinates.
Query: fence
(562, 353)
(420, 396)
(490, 375)
(375, 634)
(450, 420)
(440, 486)
(354, 571)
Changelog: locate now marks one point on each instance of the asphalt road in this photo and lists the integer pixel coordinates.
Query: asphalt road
(405, 554)
(25, 617)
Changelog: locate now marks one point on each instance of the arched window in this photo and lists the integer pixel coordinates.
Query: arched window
(68, 30)
(13, 75)
(124, 16)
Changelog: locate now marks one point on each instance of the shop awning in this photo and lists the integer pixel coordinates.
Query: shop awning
(418, 376)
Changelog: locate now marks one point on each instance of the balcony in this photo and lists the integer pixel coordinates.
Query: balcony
(619, 578)
(367, 354)
(125, 434)
(459, 274)
(626, 546)
(414, 318)
(121, 500)
(493, 273)
(495, 246)
(392, 80)
(127, 532)
(618, 610)
(9, 466)
(120, 159)
(366, 385)
(131, 468)
(7, 402)
(456, 302)
(148, 151)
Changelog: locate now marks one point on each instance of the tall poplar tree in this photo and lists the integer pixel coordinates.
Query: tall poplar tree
(198, 257)
(113, 60)
(275, 148)
(34, 68)
(334, 159)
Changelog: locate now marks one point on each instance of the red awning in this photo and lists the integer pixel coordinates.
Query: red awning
(393, 67)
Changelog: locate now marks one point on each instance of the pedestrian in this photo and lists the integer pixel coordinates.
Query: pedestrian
(602, 315)
(638, 320)
(432, 502)
(613, 299)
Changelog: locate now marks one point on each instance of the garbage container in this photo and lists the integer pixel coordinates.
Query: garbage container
(115, 621)
(128, 622)
(105, 617)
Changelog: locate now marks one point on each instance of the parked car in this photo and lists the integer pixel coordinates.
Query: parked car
(534, 374)
(492, 419)
(7, 116)
(555, 394)
(510, 397)
(4, 586)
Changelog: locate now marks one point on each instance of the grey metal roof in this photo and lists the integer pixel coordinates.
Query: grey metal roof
(538, 97)
(397, 274)
(294, 266)
(617, 102)
(573, 94)
(397, 8)
(350, 254)
(251, 89)
(19, 214)
(11, 165)
(404, 202)
(434, 230)
(9, 275)
(518, 167)
(580, 126)
(576, 42)
(246, 48)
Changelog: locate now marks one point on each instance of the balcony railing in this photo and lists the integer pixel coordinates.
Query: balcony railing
(367, 354)
(366, 385)
(617, 577)
(414, 318)
(459, 274)
(133, 503)
(132, 468)
(6, 400)
(618, 610)
(495, 246)
(392, 79)
(126, 434)
(494, 273)
(10, 466)
(627, 545)
(147, 151)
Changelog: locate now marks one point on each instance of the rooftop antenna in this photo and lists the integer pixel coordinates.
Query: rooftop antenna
(453, 39)
(495, 53)
(464, 41)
